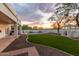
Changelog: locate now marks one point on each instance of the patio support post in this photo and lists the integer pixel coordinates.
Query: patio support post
(16, 29)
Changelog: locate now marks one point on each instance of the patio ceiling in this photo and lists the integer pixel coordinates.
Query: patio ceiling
(5, 19)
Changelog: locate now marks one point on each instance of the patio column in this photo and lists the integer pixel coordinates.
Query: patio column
(19, 29)
(15, 29)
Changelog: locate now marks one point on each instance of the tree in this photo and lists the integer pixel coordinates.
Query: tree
(35, 27)
(57, 24)
(65, 8)
(77, 19)
(26, 27)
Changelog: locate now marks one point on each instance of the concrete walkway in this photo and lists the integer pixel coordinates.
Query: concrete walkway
(47, 51)
(4, 42)
(31, 51)
(24, 48)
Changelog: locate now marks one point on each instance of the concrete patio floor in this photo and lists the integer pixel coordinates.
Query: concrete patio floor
(4, 42)
(31, 51)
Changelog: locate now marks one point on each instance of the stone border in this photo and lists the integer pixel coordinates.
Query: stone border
(49, 47)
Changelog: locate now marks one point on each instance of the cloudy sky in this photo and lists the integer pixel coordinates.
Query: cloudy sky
(34, 11)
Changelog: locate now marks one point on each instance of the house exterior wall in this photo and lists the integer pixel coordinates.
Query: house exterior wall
(5, 28)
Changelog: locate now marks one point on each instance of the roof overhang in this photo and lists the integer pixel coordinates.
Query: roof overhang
(5, 19)
(8, 15)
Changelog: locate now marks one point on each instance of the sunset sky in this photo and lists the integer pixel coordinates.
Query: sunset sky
(34, 12)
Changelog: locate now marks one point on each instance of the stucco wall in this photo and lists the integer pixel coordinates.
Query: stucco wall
(3, 28)
(9, 12)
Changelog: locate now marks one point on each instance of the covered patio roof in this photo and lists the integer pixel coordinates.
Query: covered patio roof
(8, 14)
(5, 19)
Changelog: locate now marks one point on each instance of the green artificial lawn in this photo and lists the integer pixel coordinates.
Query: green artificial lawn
(63, 43)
